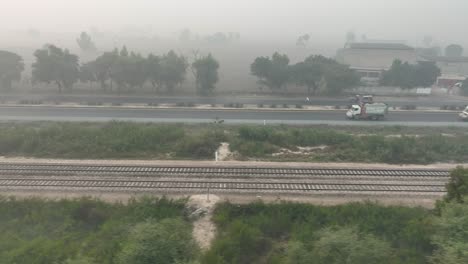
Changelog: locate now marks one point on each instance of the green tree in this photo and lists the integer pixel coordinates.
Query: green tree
(103, 65)
(56, 65)
(407, 75)
(173, 70)
(348, 246)
(397, 75)
(308, 74)
(457, 188)
(11, 67)
(154, 71)
(120, 69)
(272, 72)
(454, 50)
(315, 69)
(339, 77)
(129, 70)
(451, 235)
(136, 74)
(88, 73)
(168, 241)
(426, 73)
(206, 74)
(86, 43)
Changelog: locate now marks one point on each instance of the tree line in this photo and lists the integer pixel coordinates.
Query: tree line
(114, 71)
(123, 70)
(317, 73)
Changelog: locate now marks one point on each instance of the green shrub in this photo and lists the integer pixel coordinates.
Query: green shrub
(301, 233)
(201, 146)
(167, 241)
(88, 231)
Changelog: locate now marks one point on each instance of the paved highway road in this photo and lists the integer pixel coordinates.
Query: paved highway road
(46, 113)
(265, 100)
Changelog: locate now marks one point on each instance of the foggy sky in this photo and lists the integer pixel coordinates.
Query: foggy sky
(378, 19)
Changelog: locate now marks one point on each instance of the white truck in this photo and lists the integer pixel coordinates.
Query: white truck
(464, 115)
(371, 111)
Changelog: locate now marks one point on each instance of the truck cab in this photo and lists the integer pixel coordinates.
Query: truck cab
(354, 111)
(464, 115)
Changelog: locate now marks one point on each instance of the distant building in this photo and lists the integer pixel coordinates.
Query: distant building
(370, 60)
(453, 69)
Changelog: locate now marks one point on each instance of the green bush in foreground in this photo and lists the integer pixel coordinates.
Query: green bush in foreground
(300, 233)
(451, 235)
(346, 245)
(167, 241)
(88, 231)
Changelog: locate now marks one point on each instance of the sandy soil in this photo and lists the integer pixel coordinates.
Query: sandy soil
(204, 230)
(223, 152)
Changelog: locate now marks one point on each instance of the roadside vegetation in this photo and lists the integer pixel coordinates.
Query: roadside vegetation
(337, 146)
(398, 145)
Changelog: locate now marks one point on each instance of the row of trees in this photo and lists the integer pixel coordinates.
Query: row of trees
(316, 73)
(405, 75)
(121, 69)
(125, 69)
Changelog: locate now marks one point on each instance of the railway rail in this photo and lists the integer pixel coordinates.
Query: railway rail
(221, 179)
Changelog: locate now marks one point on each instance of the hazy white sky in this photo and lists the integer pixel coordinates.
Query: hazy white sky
(383, 19)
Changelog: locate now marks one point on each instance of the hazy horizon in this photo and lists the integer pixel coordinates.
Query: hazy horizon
(377, 19)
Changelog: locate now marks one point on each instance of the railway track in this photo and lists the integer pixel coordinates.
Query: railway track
(222, 179)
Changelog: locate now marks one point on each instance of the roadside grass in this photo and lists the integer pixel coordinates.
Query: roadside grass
(393, 144)
(262, 142)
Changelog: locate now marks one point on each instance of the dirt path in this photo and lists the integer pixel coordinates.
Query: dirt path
(204, 230)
